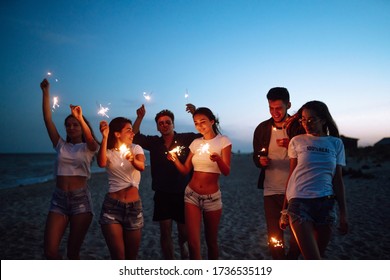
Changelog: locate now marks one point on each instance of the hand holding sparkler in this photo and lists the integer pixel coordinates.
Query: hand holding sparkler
(215, 157)
(76, 111)
(141, 112)
(190, 108)
(45, 86)
(104, 129)
(263, 158)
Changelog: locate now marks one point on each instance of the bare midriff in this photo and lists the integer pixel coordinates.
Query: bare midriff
(126, 195)
(204, 182)
(71, 183)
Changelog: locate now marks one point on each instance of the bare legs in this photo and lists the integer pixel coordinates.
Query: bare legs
(167, 242)
(312, 240)
(55, 228)
(122, 244)
(193, 225)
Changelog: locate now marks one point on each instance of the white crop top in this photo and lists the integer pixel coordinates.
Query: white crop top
(121, 172)
(202, 149)
(73, 159)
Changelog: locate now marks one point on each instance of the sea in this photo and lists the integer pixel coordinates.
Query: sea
(26, 169)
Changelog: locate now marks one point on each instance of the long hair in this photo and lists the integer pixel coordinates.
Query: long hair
(82, 137)
(116, 125)
(209, 114)
(322, 112)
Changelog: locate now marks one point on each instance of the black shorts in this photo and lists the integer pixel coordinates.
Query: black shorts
(168, 206)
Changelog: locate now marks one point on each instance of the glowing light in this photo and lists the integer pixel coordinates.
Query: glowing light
(124, 150)
(186, 95)
(204, 149)
(55, 102)
(50, 75)
(275, 242)
(103, 111)
(147, 96)
(177, 150)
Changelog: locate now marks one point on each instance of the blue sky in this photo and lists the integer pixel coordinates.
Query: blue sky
(227, 54)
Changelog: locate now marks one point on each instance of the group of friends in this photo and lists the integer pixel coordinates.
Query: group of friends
(300, 159)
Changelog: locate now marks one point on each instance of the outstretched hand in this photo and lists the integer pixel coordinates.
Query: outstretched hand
(76, 110)
(104, 128)
(45, 85)
(141, 111)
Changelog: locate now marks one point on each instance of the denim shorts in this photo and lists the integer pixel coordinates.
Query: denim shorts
(71, 202)
(127, 214)
(205, 202)
(320, 211)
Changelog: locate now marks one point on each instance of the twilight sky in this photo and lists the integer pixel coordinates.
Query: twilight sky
(226, 54)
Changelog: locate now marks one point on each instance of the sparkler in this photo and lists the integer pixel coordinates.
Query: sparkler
(103, 111)
(186, 95)
(55, 103)
(50, 74)
(124, 151)
(177, 150)
(147, 96)
(204, 149)
(275, 242)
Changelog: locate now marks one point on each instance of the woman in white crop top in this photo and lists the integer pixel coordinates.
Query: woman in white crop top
(121, 217)
(71, 202)
(209, 157)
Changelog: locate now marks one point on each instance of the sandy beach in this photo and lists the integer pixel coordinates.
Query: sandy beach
(242, 234)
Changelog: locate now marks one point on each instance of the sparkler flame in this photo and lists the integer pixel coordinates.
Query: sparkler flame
(275, 242)
(204, 149)
(177, 150)
(55, 102)
(124, 150)
(186, 95)
(147, 96)
(103, 110)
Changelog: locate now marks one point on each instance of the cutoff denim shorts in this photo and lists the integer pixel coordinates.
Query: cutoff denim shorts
(205, 202)
(320, 211)
(128, 214)
(72, 202)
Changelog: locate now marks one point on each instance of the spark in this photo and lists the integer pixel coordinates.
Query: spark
(55, 102)
(186, 95)
(103, 110)
(147, 96)
(204, 149)
(177, 150)
(275, 242)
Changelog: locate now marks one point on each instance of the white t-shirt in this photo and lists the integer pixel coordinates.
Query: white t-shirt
(317, 159)
(276, 174)
(73, 159)
(121, 172)
(202, 149)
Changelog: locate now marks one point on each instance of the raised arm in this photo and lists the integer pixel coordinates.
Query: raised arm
(89, 139)
(50, 126)
(140, 115)
(102, 154)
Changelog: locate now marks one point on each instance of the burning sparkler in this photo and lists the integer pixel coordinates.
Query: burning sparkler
(147, 96)
(186, 95)
(49, 75)
(103, 111)
(177, 150)
(124, 152)
(55, 103)
(275, 242)
(204, 149)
